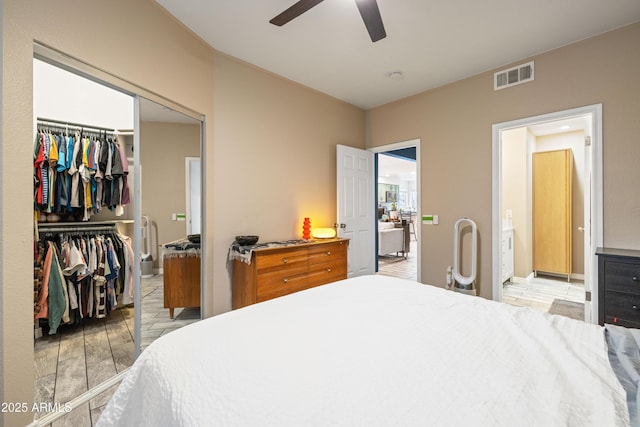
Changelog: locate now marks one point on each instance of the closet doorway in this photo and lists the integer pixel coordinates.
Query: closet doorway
(515, 145)
(84, 360)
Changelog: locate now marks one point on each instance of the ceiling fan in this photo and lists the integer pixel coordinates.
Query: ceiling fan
(368, 10)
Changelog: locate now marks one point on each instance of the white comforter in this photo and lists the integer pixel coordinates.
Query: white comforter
(374, 351)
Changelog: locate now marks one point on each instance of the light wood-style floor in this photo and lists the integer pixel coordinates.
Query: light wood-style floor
(80, 357)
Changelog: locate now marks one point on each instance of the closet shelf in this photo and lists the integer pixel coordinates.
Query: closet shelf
(45, 227)
(83, 223)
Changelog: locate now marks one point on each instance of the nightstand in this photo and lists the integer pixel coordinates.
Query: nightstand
(619, 287)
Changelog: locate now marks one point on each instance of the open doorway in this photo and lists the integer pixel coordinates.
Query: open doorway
(540, 263)
(397, 209)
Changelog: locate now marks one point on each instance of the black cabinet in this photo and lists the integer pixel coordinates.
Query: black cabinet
(619, 287)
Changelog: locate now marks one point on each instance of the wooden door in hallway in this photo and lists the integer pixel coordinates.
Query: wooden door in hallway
(552, 211)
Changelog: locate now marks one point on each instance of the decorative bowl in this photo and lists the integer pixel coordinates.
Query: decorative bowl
(247, 240)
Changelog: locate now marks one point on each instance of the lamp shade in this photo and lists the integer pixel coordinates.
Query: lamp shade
(323, 233)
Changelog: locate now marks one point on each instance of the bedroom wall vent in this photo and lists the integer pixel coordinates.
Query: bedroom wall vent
(513, 76)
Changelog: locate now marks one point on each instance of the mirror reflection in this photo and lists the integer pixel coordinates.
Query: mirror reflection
(170, 206)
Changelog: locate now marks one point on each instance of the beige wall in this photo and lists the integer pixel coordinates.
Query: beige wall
(454, 123)
(134, 40)
(163, 148)
(275, 158)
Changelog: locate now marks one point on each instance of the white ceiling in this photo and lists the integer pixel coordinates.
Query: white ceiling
(393, 169)
(572, 124)
(431, 42)
(151, 111)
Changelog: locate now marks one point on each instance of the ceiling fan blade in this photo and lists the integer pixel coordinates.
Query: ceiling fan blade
(294, 11)
(372, 19)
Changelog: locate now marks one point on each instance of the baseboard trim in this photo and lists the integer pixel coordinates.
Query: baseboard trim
(530, 277)
(522, 280)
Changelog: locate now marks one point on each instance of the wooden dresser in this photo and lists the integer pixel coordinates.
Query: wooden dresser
(181, 279)
(279, 271)
(619, 287)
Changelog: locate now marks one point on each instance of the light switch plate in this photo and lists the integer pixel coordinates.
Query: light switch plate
(429, 219)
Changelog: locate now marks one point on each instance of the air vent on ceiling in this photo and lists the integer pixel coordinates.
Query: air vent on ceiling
(513, 76)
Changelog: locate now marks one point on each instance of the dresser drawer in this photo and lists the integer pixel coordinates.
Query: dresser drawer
(281, 282)
(328, 252)
(327, 272)
(622, 309)
(281, 260)
(622, 277)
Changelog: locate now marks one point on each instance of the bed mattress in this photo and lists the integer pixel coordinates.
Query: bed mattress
(374, 351)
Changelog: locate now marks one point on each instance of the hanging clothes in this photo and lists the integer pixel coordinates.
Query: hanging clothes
(40, 291)
(127, 294)
(79, 276)
(76, 174)
(57, 300)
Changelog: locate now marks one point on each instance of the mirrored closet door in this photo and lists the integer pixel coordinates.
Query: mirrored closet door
(170, 238)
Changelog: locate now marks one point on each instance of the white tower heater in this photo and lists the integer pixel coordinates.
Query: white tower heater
(464, 284)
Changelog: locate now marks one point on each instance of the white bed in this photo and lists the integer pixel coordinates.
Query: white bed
(374, 351)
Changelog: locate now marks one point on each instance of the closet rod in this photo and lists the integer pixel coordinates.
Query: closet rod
(44, 121)
(77, 230)
(72, 227)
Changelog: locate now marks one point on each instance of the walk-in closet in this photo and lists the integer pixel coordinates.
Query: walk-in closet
(99, 236)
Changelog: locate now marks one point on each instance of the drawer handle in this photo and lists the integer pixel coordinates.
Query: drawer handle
(285, 260)
(328, 270)
(285, 280)
(328, 252)
(635, 307)
(634, 278)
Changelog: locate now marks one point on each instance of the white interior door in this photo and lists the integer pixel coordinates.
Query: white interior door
(356, 207)
(588, 250)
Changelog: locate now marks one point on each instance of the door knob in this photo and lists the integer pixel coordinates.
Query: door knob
(581, 229)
